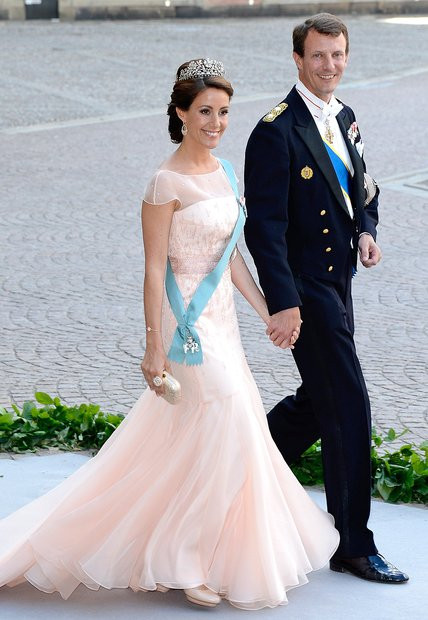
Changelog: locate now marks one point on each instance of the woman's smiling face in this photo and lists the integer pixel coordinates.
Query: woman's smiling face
(207, 117)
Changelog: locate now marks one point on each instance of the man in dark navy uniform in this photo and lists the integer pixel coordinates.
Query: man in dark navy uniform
(311, 213)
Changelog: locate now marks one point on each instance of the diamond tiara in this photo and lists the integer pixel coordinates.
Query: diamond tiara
(204, 67)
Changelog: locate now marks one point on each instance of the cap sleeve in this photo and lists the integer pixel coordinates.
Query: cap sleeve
(161, 189)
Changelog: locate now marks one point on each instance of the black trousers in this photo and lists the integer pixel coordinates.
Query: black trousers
(332, 404)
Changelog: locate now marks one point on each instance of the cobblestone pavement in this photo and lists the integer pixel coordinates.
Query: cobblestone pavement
(83, 127)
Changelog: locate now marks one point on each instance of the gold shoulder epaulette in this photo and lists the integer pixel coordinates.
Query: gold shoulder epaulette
(275, 112)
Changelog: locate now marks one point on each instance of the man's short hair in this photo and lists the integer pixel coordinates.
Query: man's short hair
(324, 23)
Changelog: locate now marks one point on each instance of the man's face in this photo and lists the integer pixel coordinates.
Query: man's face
(323, 64)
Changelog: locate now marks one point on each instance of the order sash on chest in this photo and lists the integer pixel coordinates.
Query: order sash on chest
(186, 345)
(340, 168)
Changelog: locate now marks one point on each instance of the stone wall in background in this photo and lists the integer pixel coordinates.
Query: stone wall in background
(152, 9)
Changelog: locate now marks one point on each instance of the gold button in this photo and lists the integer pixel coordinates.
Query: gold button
(323, 212)
(330, 268)
(325, 231)
(328, 249)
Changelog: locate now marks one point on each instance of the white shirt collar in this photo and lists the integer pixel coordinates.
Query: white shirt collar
(318, 107)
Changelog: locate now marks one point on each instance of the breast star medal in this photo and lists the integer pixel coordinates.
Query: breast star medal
(307, 173)
(353, 132)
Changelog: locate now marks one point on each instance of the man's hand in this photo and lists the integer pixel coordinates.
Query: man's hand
(284, 328)
(370, 253)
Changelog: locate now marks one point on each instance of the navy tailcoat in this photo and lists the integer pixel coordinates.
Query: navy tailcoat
(304, 244)
(296, 224)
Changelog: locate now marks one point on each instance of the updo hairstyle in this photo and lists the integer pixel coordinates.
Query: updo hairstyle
(184, 93)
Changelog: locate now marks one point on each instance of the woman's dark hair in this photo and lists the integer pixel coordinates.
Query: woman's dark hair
(184, 93)
(324, 23)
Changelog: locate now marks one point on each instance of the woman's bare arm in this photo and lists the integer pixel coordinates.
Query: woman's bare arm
(156, 222)
(244, 282)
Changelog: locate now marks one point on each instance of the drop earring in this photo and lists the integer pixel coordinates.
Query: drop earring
(184, 129)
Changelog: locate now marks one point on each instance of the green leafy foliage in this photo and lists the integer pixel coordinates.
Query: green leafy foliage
(54, 425)
(308, 469)
(399, 474)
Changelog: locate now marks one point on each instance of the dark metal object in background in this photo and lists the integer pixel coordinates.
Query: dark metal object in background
(41, 9)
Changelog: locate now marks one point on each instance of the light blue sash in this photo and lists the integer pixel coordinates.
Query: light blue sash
(186, 345)
(343, 176)
(341, 170)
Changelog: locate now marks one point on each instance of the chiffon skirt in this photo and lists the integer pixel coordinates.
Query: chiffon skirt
(179, 495)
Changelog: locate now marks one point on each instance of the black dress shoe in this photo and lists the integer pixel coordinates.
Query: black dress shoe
(370, 567)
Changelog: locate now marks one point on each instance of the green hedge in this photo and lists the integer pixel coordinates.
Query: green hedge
(399, 474)
(55, 425)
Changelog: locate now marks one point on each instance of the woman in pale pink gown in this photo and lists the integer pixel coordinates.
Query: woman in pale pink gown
(195, 495)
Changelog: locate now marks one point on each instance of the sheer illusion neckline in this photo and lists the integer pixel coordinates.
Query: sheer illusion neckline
(184, 174)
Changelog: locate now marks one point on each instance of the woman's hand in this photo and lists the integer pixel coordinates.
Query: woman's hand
(154, 363)
(284, 328)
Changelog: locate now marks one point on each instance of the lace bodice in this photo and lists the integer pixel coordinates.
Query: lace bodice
(204, 221)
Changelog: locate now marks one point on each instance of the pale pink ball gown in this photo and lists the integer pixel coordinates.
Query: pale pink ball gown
(188, 494)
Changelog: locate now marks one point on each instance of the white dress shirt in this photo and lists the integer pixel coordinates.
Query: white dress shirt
(322, 112)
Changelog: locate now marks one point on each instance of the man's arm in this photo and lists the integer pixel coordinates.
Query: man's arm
(369, 251)
(369, 216)
(267, 178)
